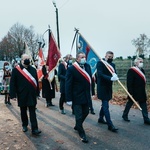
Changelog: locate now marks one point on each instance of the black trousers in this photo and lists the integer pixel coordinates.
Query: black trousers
(143, 105)
(62, 100)
(32, 114)
(81, 112)
(91, 105)
(49, 101)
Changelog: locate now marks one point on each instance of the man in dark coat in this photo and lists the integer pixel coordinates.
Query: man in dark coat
(61, 76)
(24, 87)
(48, 88)
(136, 83)
(78, 90)
(104, 88)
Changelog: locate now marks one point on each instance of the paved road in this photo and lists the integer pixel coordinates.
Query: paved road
(58, 133)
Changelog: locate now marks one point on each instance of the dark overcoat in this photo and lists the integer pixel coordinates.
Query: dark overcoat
(136, 85)
(61, 76)
(21, 89)
(104, 83)
(78, 89)
(47, 91)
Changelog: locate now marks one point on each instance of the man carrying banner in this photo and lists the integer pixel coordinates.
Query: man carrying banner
(78, 90)
(24, 87)
(104, 88)
(136, 83)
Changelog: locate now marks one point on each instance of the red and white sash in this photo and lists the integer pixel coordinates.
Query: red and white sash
(139, 72)
(83, 72)
(109, 66)
(27, 75)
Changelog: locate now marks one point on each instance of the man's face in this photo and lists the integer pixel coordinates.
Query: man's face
(80, 56)
(109, 56)
(139, 61)
(68, 58)
(25, 57)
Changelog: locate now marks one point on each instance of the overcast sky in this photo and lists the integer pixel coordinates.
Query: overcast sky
(105, 24)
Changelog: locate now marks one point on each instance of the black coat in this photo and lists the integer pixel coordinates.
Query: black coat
(61, 76)
(104, 83)
(47, 92)
(136, 85)
(78, 89)
(21, 89)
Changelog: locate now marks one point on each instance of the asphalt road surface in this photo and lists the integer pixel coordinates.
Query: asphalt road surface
(58, 133)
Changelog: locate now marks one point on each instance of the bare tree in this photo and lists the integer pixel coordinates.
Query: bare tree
(142, 44)
(6, 49)
(15, 39)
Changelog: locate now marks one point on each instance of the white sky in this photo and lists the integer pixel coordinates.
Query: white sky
(105, 24)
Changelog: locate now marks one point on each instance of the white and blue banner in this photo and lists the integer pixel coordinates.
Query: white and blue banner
(91, 57)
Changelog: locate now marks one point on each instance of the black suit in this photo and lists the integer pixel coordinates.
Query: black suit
(104, 83)
(78, 90)
(104, 90)
(26, 95)
(48, 89)
(61, 76)
(136, 87)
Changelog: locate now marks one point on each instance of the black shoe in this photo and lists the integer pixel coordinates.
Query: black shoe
(112, 128)
(125, 119)
(62, 112)
(102, 121)
(92, 112)
(75, 128)
(147, 122)
(24, 129)
(46, 105)
(84, 139)
(36, 132)
(9, 103)
(51, 105)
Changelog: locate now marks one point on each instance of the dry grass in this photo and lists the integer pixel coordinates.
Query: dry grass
(120, 96)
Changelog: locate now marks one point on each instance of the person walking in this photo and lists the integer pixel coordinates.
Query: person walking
(6, 82)
(104, 88)
(24, 87)
(48, 88)
(136, 84)
(61, 77)
(78, 91)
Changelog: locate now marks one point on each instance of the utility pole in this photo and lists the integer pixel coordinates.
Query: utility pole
(57, 23)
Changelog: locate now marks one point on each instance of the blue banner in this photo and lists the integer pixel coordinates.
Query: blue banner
(91, 56)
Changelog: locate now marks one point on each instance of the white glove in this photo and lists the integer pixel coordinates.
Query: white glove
(114, 77)
(69, 103)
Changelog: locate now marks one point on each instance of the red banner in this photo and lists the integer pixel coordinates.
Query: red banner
(53, 53)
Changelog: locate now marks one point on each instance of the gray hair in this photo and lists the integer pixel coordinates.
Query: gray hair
(78, 53)
(137, 59)
(109, 52)
(24, 55)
